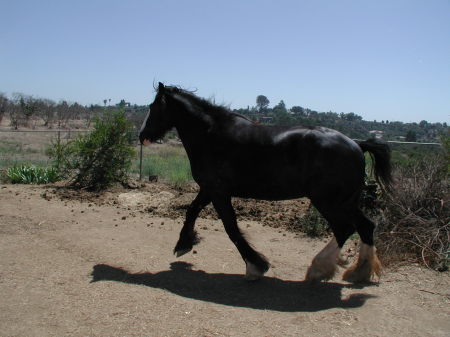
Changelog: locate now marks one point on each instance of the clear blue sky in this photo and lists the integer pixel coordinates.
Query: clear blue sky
(384, 59)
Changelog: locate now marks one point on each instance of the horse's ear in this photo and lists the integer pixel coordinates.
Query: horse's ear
(161, 88)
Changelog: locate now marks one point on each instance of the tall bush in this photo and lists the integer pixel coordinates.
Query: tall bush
(415, 221)
(100, 158)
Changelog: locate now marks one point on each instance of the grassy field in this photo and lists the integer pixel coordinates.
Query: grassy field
(15, 153)
(168, 162)
(31, 147)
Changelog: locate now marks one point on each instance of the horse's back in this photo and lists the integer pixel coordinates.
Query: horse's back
(277, 163)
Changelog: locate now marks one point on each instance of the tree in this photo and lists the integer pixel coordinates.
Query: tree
(3, 105)
(91, 113)
(25, 107)
(62, 113)
(262, 102)
(46, 110)
(298, 110)
(122, 104)
(411, 136)
(280, 108)
(351, 116)
(77, 110)
(29, 107)
(423, 124)
(280, 114)
(15, 110)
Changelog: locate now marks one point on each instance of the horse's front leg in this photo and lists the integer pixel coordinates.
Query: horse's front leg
(188, 236)
(256, 263)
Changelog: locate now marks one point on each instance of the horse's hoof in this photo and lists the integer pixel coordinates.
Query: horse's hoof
(363, 271)
(252, 273)
(357, 274)
(317, 273)
(367, 266)
(181, 252)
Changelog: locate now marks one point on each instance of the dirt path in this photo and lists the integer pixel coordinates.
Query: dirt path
(74, 268)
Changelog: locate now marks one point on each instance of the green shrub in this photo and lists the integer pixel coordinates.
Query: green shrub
(58, 152)
(313, 223)
(30, 174)
(100, 158)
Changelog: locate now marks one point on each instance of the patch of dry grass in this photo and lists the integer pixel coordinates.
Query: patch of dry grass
(414, 224)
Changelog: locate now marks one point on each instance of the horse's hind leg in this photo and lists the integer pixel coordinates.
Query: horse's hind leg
(367, 264)
(340, 219)
(256, 264)
(188, 236)
(324, 264)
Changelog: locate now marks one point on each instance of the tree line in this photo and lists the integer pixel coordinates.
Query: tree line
(27, 111)
(350, 123)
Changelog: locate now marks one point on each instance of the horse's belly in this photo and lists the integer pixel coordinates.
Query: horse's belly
(267, 189)
(265, 195)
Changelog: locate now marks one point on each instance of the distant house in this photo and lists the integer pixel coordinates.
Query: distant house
(376, 134)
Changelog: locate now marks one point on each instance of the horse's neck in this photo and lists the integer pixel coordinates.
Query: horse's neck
(192, 126)
(197, 127)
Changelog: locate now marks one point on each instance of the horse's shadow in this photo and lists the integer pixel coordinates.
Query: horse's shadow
(230, 289)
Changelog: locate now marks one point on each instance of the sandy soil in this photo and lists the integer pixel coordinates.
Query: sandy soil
(80, 264)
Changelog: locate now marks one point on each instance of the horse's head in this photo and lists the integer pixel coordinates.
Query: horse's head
(159, 119)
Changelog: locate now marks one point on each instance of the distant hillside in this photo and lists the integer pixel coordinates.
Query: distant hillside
(350, 124)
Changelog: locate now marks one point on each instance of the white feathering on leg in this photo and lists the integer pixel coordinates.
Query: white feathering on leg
(365, 267)
(324, 264)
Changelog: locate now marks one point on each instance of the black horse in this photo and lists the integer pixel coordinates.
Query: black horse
(231, 156)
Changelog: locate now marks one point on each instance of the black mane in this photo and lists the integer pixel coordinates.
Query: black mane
(207, 107)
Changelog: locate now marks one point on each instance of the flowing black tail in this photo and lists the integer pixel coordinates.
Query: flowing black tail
(381, 157)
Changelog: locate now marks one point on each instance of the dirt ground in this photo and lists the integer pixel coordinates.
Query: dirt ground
(82, 264)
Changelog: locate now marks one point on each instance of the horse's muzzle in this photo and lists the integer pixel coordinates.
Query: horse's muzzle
(143, 140)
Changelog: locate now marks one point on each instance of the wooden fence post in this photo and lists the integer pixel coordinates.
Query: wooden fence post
(140, 163)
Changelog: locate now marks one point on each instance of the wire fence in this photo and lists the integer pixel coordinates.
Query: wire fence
(31, 146)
